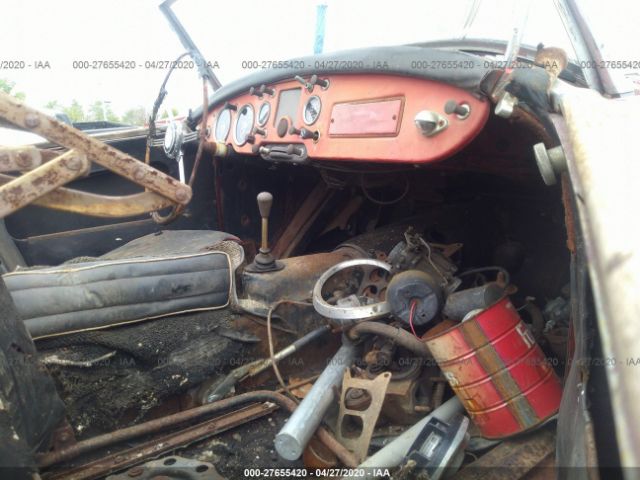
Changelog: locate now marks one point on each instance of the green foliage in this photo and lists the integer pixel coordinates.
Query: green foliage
(135, 116)
(7, 86)
(75, 112)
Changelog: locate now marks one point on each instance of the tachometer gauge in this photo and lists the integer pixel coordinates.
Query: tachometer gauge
(244, 124)
(263, 114)
(312, 110)
(223, 125)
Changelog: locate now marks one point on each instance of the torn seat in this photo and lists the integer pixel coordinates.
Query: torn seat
(164, 273)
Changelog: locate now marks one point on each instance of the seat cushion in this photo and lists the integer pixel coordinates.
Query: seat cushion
(160, 274)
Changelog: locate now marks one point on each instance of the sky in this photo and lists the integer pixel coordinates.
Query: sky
(62, 32)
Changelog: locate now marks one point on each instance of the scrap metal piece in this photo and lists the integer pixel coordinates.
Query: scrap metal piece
(97, 151)
(76, 201)
(19, 158)
(23, 190)
(132, 456)
(368, 415)
(294, 436)
(171, 468)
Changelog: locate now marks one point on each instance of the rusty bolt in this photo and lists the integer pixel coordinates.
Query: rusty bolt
(135, 472)
(138, 174)
(74, 163)
(182, 194)
(31, 120)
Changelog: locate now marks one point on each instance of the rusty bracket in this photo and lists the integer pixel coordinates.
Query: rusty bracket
(23, 190)
(96, 151)
(77, 201)
(367, 412)
(19, 158)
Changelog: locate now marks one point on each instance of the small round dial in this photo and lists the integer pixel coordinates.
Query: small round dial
(312, 110)
(244, 124)
(223, 125)
(263, 113)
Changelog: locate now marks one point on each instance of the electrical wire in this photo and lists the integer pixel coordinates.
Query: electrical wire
(274, 363)
(412, 312)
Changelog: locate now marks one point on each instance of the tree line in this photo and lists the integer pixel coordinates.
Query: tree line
(97, 111)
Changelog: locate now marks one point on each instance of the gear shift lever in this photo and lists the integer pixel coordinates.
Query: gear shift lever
(264, 261)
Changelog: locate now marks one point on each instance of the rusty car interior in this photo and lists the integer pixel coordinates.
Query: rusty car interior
(377, 270)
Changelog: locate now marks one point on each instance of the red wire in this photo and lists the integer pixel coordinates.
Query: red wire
(412, 311)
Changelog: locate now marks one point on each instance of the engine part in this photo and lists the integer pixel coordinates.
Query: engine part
(435, 449)
(398, 335)
(498, 371)
(393, 454)
(367, 413)
(358, 305)
(460, 303)
(294, 436)
(414, 286)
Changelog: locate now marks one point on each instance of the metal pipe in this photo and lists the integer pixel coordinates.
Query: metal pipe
(393, 454)
(253, 368)
(153, 426)
(296, 433)
(398, 335)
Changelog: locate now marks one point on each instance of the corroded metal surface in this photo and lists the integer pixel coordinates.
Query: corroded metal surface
(96, 151)
(76, 201)
(23, 190)
(358, 442)
(19, 158)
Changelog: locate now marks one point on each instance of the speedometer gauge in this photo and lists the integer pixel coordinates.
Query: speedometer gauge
(244, 124)
(223, 125)
(263, 114)
(312, 110)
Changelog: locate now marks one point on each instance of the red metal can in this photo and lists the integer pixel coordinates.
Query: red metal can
(498, 371)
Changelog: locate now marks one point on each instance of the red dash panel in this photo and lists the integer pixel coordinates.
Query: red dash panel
(380, 118)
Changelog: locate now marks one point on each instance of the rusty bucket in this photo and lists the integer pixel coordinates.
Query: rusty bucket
(498, 371)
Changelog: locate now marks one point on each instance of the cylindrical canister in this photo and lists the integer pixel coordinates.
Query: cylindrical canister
(498, 371)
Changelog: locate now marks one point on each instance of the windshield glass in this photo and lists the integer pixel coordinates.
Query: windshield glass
(242, 36)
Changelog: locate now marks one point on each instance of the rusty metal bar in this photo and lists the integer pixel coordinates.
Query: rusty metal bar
(14, 159)
(302, 221)
(152, 426)
(76, 201)
(23, 190)
(126, 458)
(97, 151)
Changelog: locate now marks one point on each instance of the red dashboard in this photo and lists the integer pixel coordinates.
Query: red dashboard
(378, 118)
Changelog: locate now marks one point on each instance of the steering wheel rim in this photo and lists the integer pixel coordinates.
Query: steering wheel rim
(362, 312)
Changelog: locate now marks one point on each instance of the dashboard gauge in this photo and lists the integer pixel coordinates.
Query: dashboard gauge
(263, 113)
(312, 110)
(223, 125)
(244, 124)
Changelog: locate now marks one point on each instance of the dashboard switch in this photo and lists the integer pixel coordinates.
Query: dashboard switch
(430, 123)
(255, 91)
(259, 131)
(462, 110)
(269, 91)
(315, 80)
(303, 132)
